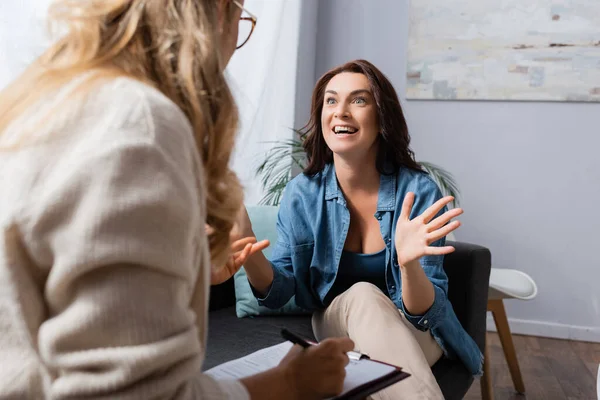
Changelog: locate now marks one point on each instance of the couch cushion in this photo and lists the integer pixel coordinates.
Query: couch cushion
(246, 304)
(230, 338)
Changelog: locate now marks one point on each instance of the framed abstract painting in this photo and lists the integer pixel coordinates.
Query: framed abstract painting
(538, 50)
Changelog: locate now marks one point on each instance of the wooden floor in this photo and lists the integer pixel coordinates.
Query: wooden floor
(552, 369)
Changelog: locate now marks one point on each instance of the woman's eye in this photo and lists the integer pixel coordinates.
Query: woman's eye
(330, 100)
(360, 100)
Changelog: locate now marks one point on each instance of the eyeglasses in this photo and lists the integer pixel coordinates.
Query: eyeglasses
(246, 27)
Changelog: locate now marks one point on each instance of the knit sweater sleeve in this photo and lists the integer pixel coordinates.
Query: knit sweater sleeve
(118, 221)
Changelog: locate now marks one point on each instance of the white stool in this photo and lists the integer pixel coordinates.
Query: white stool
(505, 284)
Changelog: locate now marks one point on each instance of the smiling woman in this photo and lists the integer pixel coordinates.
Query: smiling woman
(360, 90)
(361, 236)
(349, 117)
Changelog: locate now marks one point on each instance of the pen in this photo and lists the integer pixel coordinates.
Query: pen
(292, 337)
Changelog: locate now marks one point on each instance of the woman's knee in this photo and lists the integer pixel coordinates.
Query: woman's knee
(362, 289)
(364, 293)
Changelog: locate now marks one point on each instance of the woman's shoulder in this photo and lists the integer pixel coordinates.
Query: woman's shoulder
(308, 184)
(118, 113)
(303, 193)
(119, 122)
(127, 100)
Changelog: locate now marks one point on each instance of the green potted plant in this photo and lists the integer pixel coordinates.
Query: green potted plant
(287, 156)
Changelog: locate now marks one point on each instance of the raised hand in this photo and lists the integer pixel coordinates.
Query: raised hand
(241, 249)
(414, 237)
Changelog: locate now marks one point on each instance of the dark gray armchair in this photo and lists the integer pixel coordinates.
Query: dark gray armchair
(468, 270)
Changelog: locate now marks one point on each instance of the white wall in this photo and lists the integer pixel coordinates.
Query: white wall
(529, 172)
(263, 76)
(307, 49)
(22, 36)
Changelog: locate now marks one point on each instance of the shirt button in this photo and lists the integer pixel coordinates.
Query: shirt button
(425, 322)
(379, 217)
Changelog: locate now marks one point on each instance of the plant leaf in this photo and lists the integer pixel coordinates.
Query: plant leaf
(275, 171)
(444, 179)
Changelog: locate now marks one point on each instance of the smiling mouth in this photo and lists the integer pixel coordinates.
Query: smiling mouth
(344, 130)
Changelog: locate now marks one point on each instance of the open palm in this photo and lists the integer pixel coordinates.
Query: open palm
(240, 251)
(414, 237)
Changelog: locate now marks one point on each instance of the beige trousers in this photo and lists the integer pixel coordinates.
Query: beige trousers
(368, 317)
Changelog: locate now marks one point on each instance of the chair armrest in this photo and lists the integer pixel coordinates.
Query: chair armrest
(468, 270)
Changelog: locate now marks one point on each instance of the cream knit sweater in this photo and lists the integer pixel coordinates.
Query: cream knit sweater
(104, 264)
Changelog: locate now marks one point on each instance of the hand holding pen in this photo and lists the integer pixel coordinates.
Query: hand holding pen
(317, 370)
(292, 337)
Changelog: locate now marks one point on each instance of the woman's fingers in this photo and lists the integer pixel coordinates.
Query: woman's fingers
(240, 257)
(241, 244)
(444, 218)
(245, 252)
(438, 251)
(241, 249)
(259, 246)
(407, 204)
(245, 247)
(435, 208)
(444, 231)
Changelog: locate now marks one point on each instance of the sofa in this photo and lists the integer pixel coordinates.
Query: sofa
(468, 270)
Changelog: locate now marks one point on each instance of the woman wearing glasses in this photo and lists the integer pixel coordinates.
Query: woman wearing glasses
(361, 236)
(114, 150)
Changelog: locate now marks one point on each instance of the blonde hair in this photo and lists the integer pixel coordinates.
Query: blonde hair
(173, 45)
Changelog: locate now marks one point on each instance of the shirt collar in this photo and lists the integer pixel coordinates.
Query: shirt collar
(386, 199)
(332, 190)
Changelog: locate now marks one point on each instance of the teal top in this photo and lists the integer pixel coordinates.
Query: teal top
(358, 267)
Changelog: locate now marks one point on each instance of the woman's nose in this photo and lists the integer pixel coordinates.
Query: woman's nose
(342, 113)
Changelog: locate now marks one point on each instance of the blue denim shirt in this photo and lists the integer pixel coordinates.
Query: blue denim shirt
(312, 225)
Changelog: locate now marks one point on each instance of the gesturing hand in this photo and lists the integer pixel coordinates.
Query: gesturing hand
(241, 249)
(413, 237)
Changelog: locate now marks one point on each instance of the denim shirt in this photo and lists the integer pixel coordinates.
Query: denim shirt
(312, 226)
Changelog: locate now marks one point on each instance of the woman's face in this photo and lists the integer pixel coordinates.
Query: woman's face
(229, 27)
(349, 117)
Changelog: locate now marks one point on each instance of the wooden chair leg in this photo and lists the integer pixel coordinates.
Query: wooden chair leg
(499, 313)
(487, 390)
